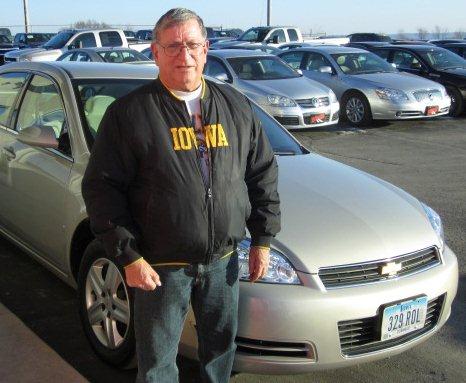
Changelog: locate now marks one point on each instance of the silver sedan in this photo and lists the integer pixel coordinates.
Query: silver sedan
(367, 86)
(359, 272)
(294, 100)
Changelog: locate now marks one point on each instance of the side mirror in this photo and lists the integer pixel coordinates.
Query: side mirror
(299, 71)
(223, 77)
(326, 69)
(42, 136)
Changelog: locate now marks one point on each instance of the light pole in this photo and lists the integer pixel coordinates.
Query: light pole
(268, 13)
(26, 16)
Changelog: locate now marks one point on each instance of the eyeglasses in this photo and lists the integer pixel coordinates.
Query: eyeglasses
(174, 50)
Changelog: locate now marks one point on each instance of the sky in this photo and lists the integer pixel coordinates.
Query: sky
(311, 16)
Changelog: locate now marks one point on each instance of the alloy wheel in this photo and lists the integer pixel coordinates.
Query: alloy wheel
(107, 304)
(355, 110)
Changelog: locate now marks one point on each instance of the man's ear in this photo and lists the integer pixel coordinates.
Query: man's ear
(155, 51)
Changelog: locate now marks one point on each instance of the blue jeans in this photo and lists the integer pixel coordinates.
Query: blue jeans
(159, 315)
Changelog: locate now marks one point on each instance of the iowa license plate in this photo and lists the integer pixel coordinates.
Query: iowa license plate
(402, 318)
(432, 110)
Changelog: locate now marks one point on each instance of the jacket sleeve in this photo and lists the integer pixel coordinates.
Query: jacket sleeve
(262, 180)
(112, 166)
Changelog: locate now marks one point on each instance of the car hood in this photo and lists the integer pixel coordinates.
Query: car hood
(295, 88)
(23, 52)
(406, 82)
(333, 214)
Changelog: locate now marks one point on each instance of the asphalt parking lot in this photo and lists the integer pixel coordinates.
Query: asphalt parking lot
(426, 158)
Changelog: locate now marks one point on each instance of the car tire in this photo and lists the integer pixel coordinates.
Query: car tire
(106, 307)
(456, 107)
(356, 109)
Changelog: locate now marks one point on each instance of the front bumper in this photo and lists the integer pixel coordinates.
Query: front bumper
(302, 118)
(389, 110)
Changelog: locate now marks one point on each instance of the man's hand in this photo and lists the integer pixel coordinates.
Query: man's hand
(141, 275)
(258, 262)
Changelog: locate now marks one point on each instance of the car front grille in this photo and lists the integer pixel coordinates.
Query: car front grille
(428, 95)
(9, 59)
(293, 120)
(361, 336)
(314, 102)
(272, 348)
(308, 120)
(362, 273)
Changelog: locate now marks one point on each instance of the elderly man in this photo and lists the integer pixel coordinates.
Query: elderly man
(178, 169)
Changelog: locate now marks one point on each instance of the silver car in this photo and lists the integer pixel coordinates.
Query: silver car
(294, 100)
(359, 272)
(368, 87)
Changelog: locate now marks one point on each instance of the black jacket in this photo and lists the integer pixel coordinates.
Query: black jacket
(143, 186)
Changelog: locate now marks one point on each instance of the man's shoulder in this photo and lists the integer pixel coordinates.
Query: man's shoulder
(227, 90)
(134, 98)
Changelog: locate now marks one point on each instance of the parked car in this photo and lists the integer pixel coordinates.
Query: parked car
(435, 63)
(368, 87)
(359, 272)
(274, 36)
(293, 100)
(367, 45)
(358, 37)
(31, 40)
(73, 39)
(144, 34)
(254, 47)
(215, 34)
(458, 48)
(440, 42)
(109, 55)
(6, 32)
(5, 46)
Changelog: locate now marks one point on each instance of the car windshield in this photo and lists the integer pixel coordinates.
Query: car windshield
(443, 59)
(261, 68)
(362, 63)
(122, 56)
(36, 38)
(4, 39)
(254, 35)
(95, 96)
(58, 41)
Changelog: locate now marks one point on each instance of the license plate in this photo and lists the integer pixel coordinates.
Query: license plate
(431, 110)
(402, 318)
(317, 118)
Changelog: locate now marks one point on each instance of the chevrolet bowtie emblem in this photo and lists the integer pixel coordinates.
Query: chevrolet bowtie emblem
(390, 268)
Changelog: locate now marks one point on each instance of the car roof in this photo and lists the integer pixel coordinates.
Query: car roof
(231, 53)
(414, 47)
(103, 49)
(330, 49)
(88, 70)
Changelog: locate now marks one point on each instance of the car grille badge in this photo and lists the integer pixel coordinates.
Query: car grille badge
(390, 269)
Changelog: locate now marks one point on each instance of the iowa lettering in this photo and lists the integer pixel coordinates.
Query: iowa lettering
(185, 138)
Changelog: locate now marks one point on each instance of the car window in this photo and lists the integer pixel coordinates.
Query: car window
(314, 61)
(87, 40)
(405, 60)
(261, 68)
(215, 68)
(292, 34)
(383, 53)
(42, 106)
(293, 59)
(10, 88)
(110, 39)
(281, 35)
(442, 59)
(81, 56)
(67, 57)
(361, 63)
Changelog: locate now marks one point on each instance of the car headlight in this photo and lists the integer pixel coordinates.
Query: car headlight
(436, 223)
(391, 94)
(280, 269)
(23, 59)
(333, 97)
(277, 100)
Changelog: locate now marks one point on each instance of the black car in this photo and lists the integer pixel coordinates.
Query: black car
(445, 41)
(144, 34)
(432, 62)
(367, 45)
(5, 46)
(458, 48)
(358, 37)
(6, 32)
(31, 40)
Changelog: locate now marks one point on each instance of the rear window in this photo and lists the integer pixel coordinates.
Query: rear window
(10, 87)
(110, 39)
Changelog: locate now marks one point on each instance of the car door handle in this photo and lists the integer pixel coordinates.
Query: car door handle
(9, 152)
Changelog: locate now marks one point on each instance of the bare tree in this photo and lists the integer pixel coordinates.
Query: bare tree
(89, 24)
(401, 35)
(459, 34)
(422, 33)
(437, 32)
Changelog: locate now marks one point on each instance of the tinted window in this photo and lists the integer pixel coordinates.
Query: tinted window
(405, 60)
(59, 40)
(10, 87)
(293, 59)
(383, 53)
(292, 34)
(281, 35)
(86, 40)
(443, 59)
(261, 68)
(110, 39)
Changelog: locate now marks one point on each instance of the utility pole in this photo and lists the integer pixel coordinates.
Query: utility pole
(268, 13)
(26, 16)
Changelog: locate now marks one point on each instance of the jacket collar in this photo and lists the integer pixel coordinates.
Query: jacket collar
(204, 94)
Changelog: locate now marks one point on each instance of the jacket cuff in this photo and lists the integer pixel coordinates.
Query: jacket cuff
(120, 244)
(261, 241)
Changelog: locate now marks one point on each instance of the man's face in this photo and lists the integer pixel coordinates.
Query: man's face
(184, 70)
